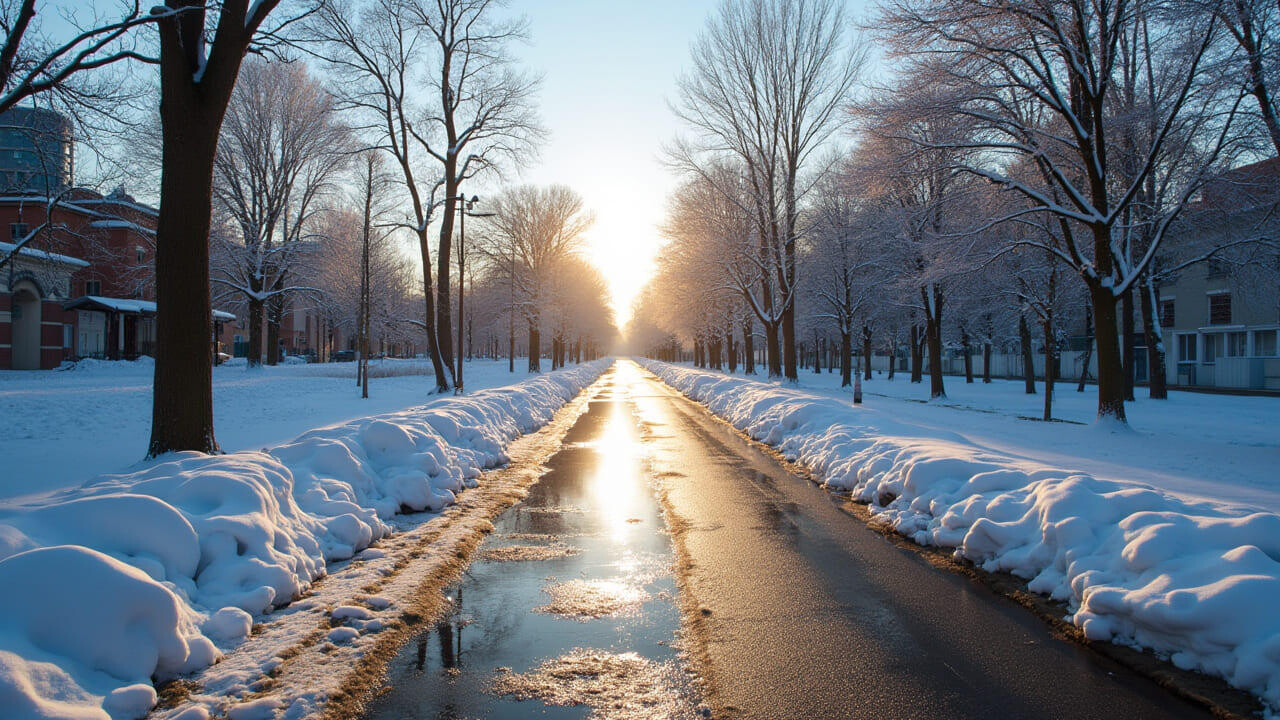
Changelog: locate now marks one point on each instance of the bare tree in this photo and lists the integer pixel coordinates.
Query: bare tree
(198, 70)
(845, 272)
(58, 60)
(280, 150)
(1038, 79)
(1252, 24)
(481, 115)
(378, 50)
(536, 230)
(772, 78)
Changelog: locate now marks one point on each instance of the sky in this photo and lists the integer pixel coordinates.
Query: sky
(609, 68)
(609, 72)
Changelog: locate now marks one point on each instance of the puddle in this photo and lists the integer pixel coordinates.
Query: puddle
(527, 553)
(583, 599)
(584, 561)
(616, 686)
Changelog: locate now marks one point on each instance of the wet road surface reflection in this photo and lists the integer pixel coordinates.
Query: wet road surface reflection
(569, 610)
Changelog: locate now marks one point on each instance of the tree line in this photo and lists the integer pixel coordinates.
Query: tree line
(1027, 168)
(296, 143)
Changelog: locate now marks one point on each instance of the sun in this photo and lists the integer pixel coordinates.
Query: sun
(623, 245)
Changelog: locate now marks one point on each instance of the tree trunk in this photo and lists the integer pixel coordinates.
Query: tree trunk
(535, 348)
(772, 350)
(866, 352)
(254, 358)
(1088, 349)
(1110, 370)
(1028, 360)
(1154, 334)
(893, 355)
(846, 359)
(986, 362)
(1050, 367)
(933, 336)
(190, 120)
(748, 349)
(917, 357)
(1127, 344)
(789, 342)
(275, 315)
(444, 303)
(968, 356)
(731, 351)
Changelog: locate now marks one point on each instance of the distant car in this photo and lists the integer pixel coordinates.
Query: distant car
(344, 356)
(221, 358)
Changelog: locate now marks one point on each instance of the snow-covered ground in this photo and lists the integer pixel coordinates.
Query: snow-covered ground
(62, 428)
(1163, 537)
(157, 571)
(1215, 447)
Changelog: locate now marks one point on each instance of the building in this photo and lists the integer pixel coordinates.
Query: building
(35, 331)
(113, 240)
(90, 264)
(1220, 318)
(37, 151)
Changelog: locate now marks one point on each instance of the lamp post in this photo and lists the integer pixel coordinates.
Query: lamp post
(464, 207)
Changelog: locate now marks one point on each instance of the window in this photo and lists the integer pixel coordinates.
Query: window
(17, 231)
(1186, 348)
(92, 287)
(1212, 345)
(1220, 308)
(66, 336)
(1264, 343)
(142, 253)
(1166, 313)
(1237, 344)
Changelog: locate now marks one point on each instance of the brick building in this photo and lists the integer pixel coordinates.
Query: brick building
(90, 265)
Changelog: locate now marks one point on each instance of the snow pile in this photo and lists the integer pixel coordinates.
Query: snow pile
(144, 363)
(140, 577)
(1197, 582)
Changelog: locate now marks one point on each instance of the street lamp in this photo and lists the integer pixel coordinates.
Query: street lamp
(464, 208)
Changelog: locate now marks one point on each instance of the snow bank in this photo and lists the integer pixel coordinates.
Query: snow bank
(1194, 581)
(143, 576)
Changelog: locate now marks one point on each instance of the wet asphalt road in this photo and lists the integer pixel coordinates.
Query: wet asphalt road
(814, 615)
(606, 575)
(806, 613)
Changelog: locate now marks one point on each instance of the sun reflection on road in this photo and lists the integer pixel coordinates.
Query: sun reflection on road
(616, 482)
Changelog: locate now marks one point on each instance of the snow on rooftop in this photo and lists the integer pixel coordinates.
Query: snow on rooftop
(30, 252)
(122, 224)
(129, 305)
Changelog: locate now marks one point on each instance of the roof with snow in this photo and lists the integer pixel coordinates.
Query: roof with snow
(127, 306)
(36, 254)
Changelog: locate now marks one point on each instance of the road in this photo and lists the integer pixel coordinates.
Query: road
(792, 607)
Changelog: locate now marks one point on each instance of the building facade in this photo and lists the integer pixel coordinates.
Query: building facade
(37, 152)
(35, 331)
(1221, 317)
